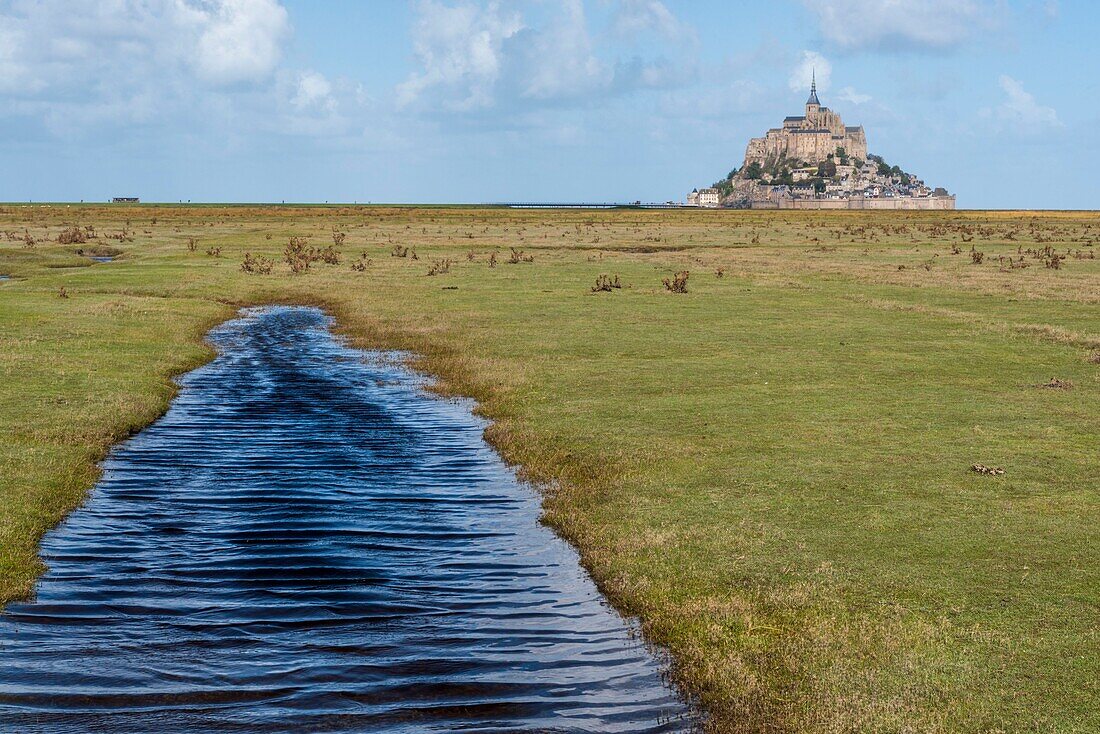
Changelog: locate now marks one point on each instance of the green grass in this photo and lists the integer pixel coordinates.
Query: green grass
(771, 471)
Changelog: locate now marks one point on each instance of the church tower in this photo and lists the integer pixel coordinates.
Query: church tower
(813, 106)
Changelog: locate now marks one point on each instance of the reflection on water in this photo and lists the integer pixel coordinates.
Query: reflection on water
(102, 258)
(308, 542)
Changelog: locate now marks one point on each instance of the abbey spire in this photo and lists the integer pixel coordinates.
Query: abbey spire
(813, 105)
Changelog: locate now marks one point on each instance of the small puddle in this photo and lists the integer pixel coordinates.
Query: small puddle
(307, 541)
(102, 258)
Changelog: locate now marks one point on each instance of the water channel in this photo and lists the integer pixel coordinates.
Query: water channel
(308, 541)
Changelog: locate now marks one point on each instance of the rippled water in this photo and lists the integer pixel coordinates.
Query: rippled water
(309, 542)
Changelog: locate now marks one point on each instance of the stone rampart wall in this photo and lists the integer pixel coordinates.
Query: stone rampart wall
(897, 202)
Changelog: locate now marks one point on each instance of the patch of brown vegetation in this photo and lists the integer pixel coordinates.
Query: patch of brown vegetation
(604, 283)
(679, 282)
(72, 236)
(257, 265)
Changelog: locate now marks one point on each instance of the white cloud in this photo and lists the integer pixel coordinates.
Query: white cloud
(474, 56)
(1020, 112)
(811, 65)
(240, 40)
(313, 92)
(850, 95)
(894, 24)
(460, 50)
(88, 47)
(559, 60)
(82, 66)
(634, 17)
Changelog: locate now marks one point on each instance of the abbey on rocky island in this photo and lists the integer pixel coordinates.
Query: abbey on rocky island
(815, 161)
(810, 137)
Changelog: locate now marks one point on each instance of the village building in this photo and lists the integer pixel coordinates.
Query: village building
(708, 197)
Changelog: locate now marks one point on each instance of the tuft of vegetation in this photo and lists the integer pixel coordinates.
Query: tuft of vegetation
(518, 256)
(679, 282)
(72, 236)
(605, 283)
(439, 267)
(257, 265)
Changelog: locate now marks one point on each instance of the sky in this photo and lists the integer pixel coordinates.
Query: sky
(435, 101)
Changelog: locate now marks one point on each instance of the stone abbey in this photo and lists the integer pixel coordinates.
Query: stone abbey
(815, 161)
(811, 137)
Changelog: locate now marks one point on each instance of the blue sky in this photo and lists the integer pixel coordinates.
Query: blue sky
(464, 101)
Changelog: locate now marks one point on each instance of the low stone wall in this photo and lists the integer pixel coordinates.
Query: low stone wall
(897, 202)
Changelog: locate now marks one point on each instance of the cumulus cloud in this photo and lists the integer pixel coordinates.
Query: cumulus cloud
(850, 95)
(460, 49)
(635, 17)
(899, 24)
(313, 92)
(811, 65)
(240, 40)
(53, 43)
(80, 66)
(473, 56)
(1020, 112)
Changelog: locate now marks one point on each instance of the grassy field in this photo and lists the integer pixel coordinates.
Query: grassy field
(772, 470)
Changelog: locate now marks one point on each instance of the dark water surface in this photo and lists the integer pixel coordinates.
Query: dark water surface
(308, 542)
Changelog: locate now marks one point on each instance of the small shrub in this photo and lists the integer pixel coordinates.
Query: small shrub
(604, 283)
(517, 256)
(470, 256)
(192, 244)
(361, 264)
(62, 293)
(299, 255)
(399, 251)
(438, 267)
(330, 256)
(338, 238)
(492, 259)
(719, 273)
(257, 265)
(214, 251)
(976, 256)
(72, 236)
(679, 282)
